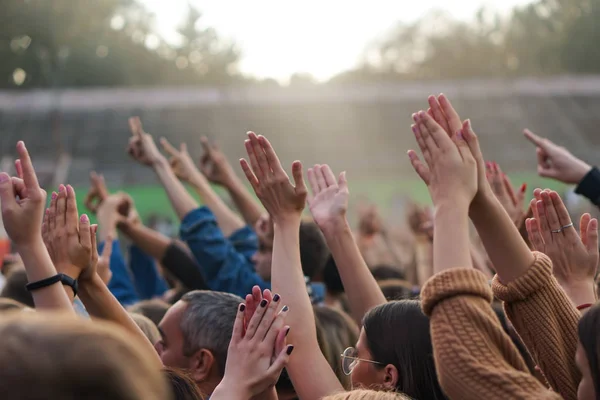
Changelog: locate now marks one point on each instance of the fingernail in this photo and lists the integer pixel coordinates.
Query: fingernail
(54, 195)
(276, 298)
(460, 135)
(4, 177)
(414, 129)
(523, 187)
(285, 309)
(85, 219)
(290, 349)
(263, 303)
(242, 307)
(593, 225)
(70, 189)
(287, 331)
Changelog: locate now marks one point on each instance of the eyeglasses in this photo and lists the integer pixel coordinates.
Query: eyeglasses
(350, 359)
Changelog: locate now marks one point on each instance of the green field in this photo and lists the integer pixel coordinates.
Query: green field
(153, 200)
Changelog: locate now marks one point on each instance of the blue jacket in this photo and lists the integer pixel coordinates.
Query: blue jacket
(226, 262)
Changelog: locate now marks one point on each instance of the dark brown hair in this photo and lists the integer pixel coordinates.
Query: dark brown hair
(154, 309)
(182, 385)
(589, 337)
(14, 288)
(398, 333)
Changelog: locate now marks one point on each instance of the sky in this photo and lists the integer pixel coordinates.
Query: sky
(321, 37)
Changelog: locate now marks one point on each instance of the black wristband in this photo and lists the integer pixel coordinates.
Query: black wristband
(590, 186)
(62, 278)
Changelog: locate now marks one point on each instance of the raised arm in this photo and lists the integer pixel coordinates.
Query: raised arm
(457, 298)
(22, 219)
(328, 205)
(285, 203)
(143, 149)
(217, 169)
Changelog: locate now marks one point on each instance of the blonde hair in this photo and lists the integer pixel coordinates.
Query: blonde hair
(60, 357)
(147, 326)
(362, 394)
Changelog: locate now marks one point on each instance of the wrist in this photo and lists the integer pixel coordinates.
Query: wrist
(160, 162)
(580, 292)
(283, 221)
(87, 285)
(453, 205)
(231, 390)
(68, 269)
(335, 226)
(580, 170)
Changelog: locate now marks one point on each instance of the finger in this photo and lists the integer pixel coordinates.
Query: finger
(454, 121)
(419, 167)
(535, 236)
(584, 221)
(592, 237)
(320, 177)
(269, 318)
(472, 140)
(544, 226)
(551, 214)
(534, 210)
(238, 326)
(421, 142)
(272, 332)
(29, 176)
(439, 137)
(520, 197)
(461, 144)
(254, 163)
(72, 215)
(509, 188)
(542, 158)
(261, 157)
(267, 294)
(249, 174)
(430, 144)
(168, 147)
(280, 362)
(85, 239)
(206, 145)
(537, 193)
(438, 114)
(330, 179)
(271, 156)
(343, 182)
(94, 246)
(564, 218)
(61, 207)
(135, 126)
(19, 168)
(535, 139)
(312, 181)
(280, 344)
(256, 320)
(299, 185)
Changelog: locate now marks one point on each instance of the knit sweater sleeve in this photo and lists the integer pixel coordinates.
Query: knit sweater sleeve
(474, 357)
(546, 320)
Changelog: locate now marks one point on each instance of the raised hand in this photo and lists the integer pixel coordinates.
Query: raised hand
(181, 162)
(257, 356)
(574, 256)
(329, 201)
(141, 144)
(450, 172)
(214, 165)
(557, 162)
(103, 265)
(271, 183)
(513, 202)
(68, 237)
(22, 201)
(97, 193)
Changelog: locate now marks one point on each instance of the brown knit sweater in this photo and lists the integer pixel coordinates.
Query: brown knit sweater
(476, 359)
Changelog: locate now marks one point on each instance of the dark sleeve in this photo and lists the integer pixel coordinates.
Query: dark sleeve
(590, 186)
(183, 267)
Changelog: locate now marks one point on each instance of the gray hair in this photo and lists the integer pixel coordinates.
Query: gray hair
(207, 323)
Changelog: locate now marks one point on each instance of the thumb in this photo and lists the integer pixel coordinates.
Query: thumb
(7, 192)
(298, 175)
(592, 236)
(342, 182)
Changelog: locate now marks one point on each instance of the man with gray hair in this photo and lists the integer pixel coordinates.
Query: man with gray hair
(195, 335)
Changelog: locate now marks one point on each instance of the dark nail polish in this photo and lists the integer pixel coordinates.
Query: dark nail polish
(290, 349)
(287, 331)
(242, 307)
(276, 298)
(263, 303)
(285, 308)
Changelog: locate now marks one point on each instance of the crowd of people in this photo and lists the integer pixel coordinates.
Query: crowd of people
(482, 296)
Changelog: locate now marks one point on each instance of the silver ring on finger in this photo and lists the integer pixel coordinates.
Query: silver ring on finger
(557, 230)
(566, 226)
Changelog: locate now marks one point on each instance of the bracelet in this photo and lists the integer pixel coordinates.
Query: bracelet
(584, 306)
(64, 279)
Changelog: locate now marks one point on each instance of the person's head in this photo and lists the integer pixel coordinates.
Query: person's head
(361, 394)
(339, 331)
(182, 385)
(394, 352)
(195, 335)
(386, 272)
(147, 326)
(154, 309)
(313, 249)
(396, 289)
(53, 356)
(587, 356)
(14, 288)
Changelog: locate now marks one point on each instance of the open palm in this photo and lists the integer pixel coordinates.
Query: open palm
(329, 201)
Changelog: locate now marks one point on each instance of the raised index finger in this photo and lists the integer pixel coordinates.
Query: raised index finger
(135, 125)
(168, 147)
(535, 139)
(29, 177)
(206, 145)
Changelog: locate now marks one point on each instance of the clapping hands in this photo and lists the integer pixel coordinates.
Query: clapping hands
(329, 201)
